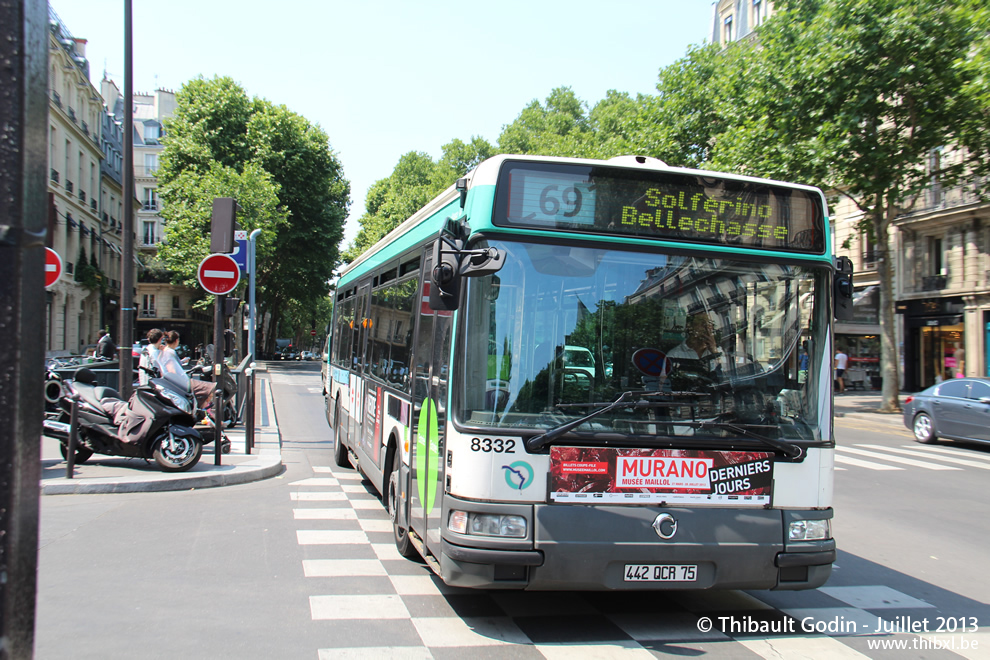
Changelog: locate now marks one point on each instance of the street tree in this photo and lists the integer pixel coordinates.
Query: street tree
(281, 170)
(853, 95)
(416, 179)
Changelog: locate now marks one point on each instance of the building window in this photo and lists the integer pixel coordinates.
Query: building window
(936, 256)
(151, 133)
(727, 29)
(149, 233)
(148, 306)
(151, 164)
(757, 12)
(150, 199)
(869, 244)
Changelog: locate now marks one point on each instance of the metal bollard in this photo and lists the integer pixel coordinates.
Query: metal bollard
(70, 452)
(218, 404)
(249, 413)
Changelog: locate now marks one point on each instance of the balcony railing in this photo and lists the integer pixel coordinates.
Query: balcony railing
(57, 98)
(147, 314)
(178, 313)
(933, 283)
(72, 113)
(54, 175)
(149, 206)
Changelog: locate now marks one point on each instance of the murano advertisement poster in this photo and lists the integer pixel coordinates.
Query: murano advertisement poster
(590, 475)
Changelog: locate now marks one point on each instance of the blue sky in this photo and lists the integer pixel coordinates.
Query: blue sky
(387, 77)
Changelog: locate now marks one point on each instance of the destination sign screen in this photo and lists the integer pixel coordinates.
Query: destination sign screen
(695, 208)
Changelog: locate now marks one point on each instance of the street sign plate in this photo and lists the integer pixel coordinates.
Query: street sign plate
(240, 249)
(219, 274)
(53, 267)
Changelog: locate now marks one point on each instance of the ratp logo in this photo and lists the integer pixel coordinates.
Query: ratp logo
(518, 475)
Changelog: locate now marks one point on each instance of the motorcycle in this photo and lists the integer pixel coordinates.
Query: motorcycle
(204, 371)
(156, 423)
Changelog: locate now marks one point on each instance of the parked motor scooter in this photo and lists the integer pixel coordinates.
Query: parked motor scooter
(204, 371)
(156, 423)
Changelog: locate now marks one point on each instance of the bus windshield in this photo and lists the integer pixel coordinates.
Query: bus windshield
(706, 346)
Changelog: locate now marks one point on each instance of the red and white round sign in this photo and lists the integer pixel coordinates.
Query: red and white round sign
(53, 267)
(219, 274)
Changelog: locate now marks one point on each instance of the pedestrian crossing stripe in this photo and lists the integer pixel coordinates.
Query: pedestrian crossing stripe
(925, 454)
(953, 452)
(896, 459)
(848, 460)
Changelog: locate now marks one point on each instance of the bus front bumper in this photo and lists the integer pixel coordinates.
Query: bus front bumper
(574, 547)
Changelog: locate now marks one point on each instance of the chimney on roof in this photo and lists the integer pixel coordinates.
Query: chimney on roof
(80, 46)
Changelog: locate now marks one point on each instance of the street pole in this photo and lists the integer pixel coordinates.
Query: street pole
(251, 269)
(218, 367)
(126, 339)
(23, 221)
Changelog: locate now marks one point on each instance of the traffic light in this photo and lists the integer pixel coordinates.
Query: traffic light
(222, 225)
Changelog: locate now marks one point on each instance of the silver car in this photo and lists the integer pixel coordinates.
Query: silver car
(956, 409)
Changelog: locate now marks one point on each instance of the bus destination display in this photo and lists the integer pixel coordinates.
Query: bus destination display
(660, 205)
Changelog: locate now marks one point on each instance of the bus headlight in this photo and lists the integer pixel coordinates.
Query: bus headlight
(487, 524)
(809, 530)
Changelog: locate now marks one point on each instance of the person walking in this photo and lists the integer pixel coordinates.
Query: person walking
(105, 348)
(841, 360)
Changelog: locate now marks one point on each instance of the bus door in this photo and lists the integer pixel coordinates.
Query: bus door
(429, 421)
(359, 353)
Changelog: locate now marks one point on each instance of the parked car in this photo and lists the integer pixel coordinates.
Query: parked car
(955, 409)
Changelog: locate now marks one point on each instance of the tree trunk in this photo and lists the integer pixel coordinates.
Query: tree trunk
(889, 359)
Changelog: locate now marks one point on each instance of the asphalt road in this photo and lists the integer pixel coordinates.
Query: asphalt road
(303, 566)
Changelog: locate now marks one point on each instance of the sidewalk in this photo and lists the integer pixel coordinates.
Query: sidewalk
(864, 405)
(109, 474)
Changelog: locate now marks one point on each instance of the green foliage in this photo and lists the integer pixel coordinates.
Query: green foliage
(87, 272)
(280, 169)
(415, 180)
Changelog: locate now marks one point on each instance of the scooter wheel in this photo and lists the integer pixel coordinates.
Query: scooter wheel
(82, 454)
(179, 458)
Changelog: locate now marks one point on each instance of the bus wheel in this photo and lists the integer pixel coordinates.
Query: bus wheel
(339, 450)
(402, 542)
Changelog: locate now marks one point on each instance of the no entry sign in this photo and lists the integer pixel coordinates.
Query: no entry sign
(53, 267)
(219, 274)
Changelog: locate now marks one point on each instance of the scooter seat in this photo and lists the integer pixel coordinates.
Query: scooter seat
(106, 393)
(87, 393)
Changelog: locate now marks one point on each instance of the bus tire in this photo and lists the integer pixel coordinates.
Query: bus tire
(402, 543)
(339, 450)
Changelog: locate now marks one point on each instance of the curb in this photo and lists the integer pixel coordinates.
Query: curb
(265, 464)
(263, 468)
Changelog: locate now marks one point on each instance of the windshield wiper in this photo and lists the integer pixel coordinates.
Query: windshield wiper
(790, 449)
(538, 442)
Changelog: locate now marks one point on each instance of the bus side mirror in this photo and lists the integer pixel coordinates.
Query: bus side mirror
(842, 289)
(451, 263)
(445, 278)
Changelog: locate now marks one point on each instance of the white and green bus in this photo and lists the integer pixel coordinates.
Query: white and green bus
(582, 374)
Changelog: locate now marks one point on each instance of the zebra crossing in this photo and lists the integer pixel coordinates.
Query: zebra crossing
(370, 602)
(925, 457)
